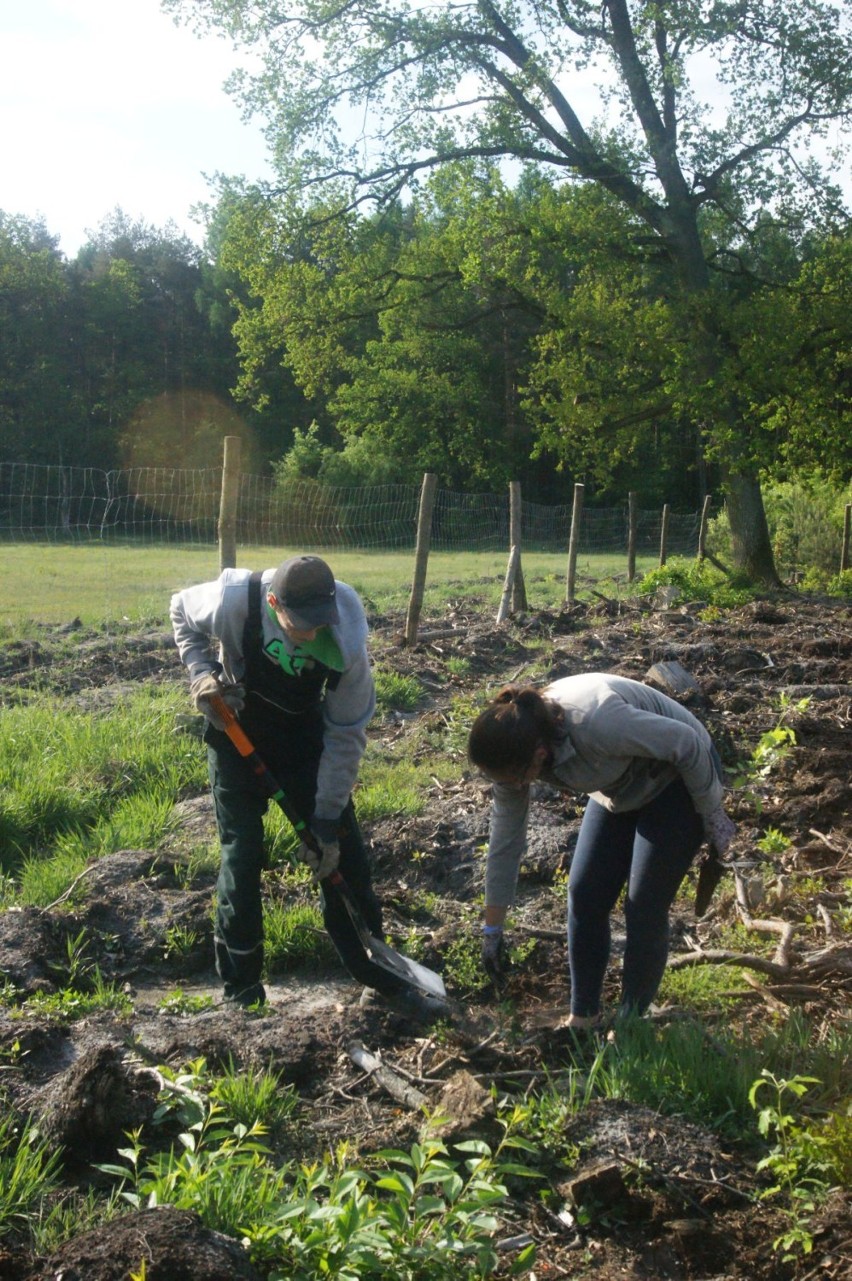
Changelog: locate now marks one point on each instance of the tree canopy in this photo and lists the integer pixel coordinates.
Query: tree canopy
(373, 94)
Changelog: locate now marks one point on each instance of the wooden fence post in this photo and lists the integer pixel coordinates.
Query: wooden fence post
(664, 534)
(228, 503)
(519, 591)
(847, 526)
(421, 556)
(574, 543)
(631, 536)
(512, 571)
(702, 529)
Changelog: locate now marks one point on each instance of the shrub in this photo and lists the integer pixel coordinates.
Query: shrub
(695, 582)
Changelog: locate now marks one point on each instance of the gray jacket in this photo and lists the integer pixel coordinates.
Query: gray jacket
(623, 744)
(218, 610)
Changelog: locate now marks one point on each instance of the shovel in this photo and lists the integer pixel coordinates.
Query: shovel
(710, 872)
(379, 952)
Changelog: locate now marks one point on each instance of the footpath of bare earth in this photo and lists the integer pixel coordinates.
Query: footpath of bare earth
(693, 1214)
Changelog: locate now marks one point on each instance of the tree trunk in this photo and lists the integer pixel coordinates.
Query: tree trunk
(752, 549)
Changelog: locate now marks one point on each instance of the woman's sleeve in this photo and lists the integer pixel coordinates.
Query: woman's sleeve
(506, 843)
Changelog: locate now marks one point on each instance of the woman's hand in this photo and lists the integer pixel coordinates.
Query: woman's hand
(495, 953)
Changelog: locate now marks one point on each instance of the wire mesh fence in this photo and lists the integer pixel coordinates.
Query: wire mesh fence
(44, 503)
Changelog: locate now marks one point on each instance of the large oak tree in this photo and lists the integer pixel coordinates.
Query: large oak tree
(369, 94)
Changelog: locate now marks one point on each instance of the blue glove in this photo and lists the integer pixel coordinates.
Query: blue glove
(495, 953)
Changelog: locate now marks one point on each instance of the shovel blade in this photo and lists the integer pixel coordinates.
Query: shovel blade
(710, 874)
(403, 967)
(382, 954)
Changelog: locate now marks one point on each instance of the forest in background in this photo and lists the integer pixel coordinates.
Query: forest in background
(373, 356)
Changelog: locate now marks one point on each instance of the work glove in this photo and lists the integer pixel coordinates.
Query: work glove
(325, 858)
(495, 953)
(206, 687)
(719, 830)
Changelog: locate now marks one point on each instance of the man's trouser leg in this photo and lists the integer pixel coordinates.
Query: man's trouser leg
(355, 870)
(291, 751)
(240, 806)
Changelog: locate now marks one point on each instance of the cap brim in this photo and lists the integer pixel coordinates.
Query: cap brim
(307, 617)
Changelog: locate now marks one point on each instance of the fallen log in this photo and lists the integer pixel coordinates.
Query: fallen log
(673, 679)
(389, 1080)
(817, 691)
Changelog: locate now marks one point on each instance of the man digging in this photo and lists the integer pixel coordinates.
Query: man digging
(293, 665)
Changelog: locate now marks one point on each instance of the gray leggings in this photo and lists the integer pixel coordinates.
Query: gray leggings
(647, 850)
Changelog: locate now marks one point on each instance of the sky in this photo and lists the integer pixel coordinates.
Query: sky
(105, 104)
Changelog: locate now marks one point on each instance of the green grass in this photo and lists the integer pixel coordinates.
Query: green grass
(703, 987)
(295, 938)
(683, 1069)
(29, 1172)
(78, 784)
(256, 1094)
(115, 585)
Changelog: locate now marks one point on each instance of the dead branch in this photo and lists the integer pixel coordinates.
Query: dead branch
(770, 926)
(835, 959)
(720, 956)
(828, 924)
(834, 848)
(817, 691)
(71, 888)
(389, 1080)
(775, 1003)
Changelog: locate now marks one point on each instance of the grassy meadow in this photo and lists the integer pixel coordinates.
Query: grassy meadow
(103, 583)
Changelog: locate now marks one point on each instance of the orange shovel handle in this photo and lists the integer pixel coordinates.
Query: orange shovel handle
(241, 741)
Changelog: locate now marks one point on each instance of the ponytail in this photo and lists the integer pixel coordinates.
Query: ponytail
(505, 736)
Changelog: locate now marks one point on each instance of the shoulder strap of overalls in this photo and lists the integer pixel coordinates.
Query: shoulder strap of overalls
(254, 625)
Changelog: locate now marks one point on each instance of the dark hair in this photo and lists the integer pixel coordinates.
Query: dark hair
(506, 735)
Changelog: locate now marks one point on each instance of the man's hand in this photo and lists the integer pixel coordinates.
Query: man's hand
(719, 830)
(495, 953)
(325, 858)
(208, 686)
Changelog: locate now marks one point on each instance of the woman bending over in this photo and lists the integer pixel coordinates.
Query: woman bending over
(654, 783)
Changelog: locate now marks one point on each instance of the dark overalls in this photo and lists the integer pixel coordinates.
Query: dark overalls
(283, 718)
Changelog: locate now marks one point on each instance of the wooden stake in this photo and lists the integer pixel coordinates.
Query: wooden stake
(519, 591)
(228, 503)
(421, 556)
(631, 536)
(664, 534)
(702, 529)
(574, 543)
(511, 574)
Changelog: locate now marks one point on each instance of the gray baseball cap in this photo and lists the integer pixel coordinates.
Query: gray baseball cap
(304, 587)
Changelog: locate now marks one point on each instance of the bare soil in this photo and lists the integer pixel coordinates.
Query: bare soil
(692, 1214)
